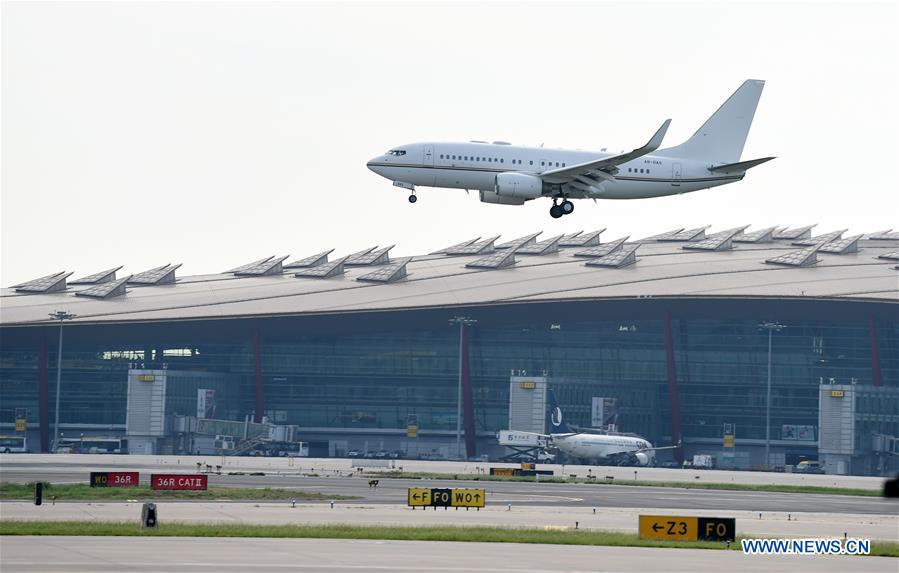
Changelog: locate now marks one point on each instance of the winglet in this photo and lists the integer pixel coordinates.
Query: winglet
(656, 139)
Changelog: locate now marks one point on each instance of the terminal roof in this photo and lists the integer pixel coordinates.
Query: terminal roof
(441, 281)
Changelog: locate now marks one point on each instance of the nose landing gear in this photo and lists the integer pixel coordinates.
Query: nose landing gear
(413, 198)
(557, 210)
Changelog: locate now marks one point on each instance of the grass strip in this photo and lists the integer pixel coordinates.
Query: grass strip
(83, 492)
(553, 536)
(782, 488)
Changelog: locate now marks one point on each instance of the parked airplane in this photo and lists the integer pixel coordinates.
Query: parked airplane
(616, 449)
(511, 175)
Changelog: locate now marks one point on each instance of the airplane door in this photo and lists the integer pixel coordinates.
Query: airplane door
(676, 174)
(428, 155)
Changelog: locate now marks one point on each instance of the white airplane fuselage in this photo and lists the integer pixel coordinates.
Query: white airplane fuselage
(476, 165)
(594, 447)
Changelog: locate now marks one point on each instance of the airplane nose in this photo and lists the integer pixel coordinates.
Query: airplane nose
(371, 163)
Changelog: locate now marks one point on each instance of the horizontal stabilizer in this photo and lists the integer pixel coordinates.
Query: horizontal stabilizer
(739, 167)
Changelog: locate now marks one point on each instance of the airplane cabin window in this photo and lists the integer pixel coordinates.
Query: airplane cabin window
(531, 162)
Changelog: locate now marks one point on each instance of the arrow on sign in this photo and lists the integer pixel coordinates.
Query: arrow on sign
(415, 496)
(656, 527)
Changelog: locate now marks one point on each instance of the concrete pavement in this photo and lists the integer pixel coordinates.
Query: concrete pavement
(200, 555)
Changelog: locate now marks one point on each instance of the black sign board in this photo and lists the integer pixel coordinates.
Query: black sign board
(717, 528)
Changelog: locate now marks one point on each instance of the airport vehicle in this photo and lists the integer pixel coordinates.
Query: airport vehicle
(808, 467)
(92, 445)
(703, 461)
(13, 445)
(508, 174)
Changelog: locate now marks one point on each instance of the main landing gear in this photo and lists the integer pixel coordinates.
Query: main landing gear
(566, 207)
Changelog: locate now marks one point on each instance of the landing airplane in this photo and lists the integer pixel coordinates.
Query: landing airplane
(507, 174)
(615, 449)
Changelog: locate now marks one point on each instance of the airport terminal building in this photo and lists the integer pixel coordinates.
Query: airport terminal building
(364, 351)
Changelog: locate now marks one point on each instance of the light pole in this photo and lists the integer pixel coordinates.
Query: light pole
(771, 327)
(462, 321)
(61, 316)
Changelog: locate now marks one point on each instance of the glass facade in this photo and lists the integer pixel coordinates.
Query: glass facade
(371, 371)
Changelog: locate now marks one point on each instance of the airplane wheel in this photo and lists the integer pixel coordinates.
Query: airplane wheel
(555, 211)
(567, 207)
(413, 198)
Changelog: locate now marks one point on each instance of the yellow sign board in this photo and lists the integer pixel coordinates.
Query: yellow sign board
(669, 528)
(468, 497)
(836, 393)
(446, 497)
(527, 385)
(728, 441)
(20, 424)
(419, 496)
(411, 431)
(146, 377)
(681, 528)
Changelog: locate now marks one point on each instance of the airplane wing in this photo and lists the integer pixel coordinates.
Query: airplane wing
(605, 167)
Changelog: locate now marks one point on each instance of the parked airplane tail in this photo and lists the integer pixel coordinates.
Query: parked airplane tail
(555, 424)
(722, 137)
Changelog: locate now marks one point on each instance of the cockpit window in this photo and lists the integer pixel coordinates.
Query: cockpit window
(396, 152)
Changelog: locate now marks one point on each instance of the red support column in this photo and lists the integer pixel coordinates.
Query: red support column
(471, 443)
(257, 378)
(43, 397)
(876, 376)
(673, 399)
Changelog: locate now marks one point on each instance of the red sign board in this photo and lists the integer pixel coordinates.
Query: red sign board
(178, 481)
(115, 479)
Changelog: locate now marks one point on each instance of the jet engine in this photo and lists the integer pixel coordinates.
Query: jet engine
(642, 459)
(491, 197)
(519, 185)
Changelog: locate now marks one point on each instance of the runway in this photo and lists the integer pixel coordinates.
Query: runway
(193, 555)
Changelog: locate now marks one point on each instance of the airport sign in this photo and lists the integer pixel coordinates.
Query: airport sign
(179, 481)
(419, 496)
(446, 497)
(115, 479)
(687, 528)
(468, 497)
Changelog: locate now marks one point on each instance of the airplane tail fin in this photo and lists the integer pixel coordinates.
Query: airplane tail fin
(555, 424)
(722, 137)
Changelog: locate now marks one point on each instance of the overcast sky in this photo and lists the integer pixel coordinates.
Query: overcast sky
(213, 134)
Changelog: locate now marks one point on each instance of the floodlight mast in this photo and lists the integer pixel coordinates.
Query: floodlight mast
(462, 321)
(61, 316)
(771, 327)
